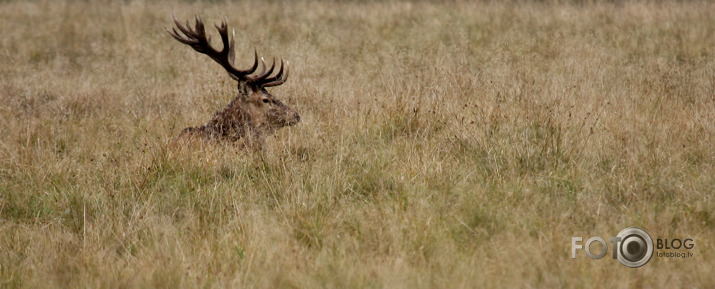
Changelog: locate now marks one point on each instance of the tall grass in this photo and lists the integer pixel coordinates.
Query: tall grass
(443, 145)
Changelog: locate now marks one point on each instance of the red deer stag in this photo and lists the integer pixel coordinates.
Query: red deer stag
(253, 113)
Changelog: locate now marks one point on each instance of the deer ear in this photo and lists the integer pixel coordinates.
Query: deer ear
(244, 90)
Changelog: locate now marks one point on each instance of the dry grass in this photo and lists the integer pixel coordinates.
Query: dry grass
(443, 146)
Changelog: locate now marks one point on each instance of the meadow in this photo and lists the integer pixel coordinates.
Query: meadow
(442, 145)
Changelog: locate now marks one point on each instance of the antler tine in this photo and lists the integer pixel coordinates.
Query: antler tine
(200, 32)
(263, 66)
(261, 76)
(255, 62)
(277, 76)
(280, 78)
(231, 53)
(179, 25)
(184, 30)
(227, 47)
(176, 36)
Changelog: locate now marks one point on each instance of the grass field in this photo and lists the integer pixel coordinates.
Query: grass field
(443, 145)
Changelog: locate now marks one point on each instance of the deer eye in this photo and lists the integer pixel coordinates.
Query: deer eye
(265, 100)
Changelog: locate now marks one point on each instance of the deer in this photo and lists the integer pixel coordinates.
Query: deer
(253, 113)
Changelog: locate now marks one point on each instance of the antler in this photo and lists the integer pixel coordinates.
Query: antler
(197, 39)
(279, 78)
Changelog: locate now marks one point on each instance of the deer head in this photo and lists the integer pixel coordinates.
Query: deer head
(254, 108)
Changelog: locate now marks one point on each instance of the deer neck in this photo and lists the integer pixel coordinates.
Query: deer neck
(237, 120)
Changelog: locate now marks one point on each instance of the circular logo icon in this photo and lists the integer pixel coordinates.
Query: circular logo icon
(635, 248)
